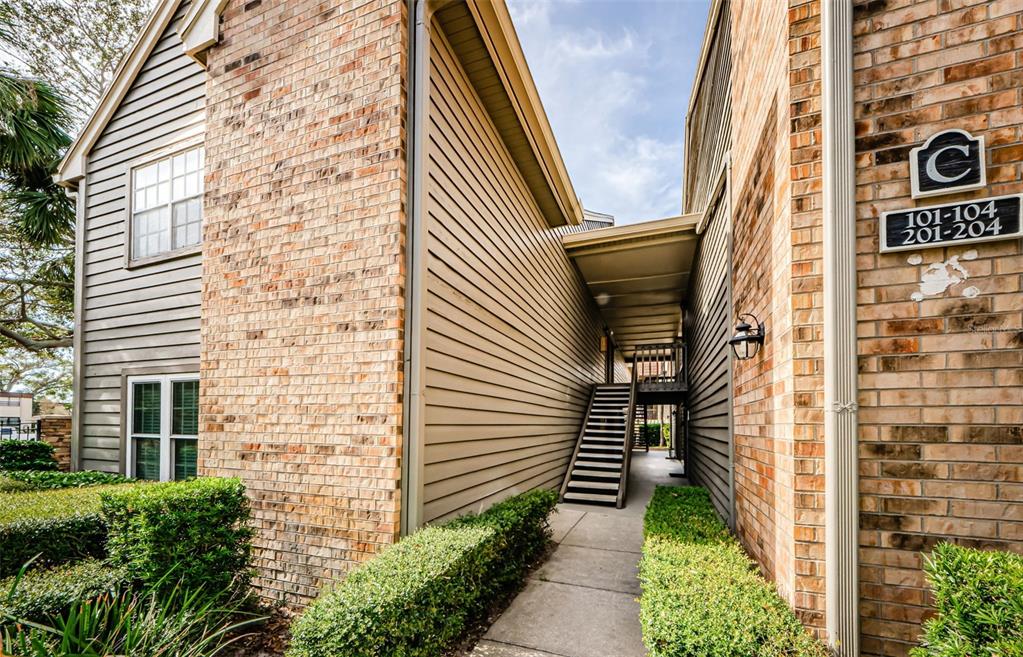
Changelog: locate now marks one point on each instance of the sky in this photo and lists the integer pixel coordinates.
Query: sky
(614, 77)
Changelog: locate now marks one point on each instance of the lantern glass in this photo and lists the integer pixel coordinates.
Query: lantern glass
(747, 339)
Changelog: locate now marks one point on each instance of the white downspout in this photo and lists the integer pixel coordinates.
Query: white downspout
(841, 481)
(415, 255)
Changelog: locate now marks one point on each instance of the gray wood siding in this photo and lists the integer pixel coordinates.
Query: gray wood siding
(709, 121)
(512, 338)
(707, 329)
(147, 316)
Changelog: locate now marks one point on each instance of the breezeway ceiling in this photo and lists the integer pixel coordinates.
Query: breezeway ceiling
(638, 275)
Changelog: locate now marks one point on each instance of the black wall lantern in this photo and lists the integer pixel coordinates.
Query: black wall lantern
(748, 337)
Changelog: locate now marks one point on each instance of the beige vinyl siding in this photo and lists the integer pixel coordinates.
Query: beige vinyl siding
(146, 316)
(709, 121)
(707, 329)
(512, 341)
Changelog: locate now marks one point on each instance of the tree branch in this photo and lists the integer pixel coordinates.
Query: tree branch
(37, 282)
(33, 344)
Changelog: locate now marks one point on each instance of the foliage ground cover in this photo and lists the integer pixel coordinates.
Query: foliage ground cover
(979, 598)
(44, 595)
(418, 597)
(57, 525)
(702, 595)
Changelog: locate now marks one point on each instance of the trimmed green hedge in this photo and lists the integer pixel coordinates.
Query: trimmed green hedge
(417, 598)
(702, 595)
(48, 479)
(979, 598)
(26, 455)
(42, 595)
(189, 533)
(58, 525)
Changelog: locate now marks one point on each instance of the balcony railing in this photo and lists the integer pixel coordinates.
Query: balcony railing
(660, 366)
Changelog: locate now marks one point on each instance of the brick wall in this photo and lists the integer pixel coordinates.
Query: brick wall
(56, 431)
(941, 384)
(761, 197)
(807, 272)
(302, 300)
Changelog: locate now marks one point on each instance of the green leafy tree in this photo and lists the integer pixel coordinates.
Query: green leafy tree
(36, 216)
(74, 44)
(46, 374)
(56, 58)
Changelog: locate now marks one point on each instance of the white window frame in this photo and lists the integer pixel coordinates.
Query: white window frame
(165, 436)
(131, 258)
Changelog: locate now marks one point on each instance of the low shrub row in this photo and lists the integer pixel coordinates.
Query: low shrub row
(26, 455)
(50, 479)
(418, 597)
(702, 595)
(42, 595)
(979, 599)
(54, 526)
(192, 534)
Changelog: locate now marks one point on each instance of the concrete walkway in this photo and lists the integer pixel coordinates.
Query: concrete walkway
(583, 601)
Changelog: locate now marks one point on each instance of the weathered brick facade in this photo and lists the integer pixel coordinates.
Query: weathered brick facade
(941, 383)
(941, 378)
(303, 299)
(55, 430)
(777, 277)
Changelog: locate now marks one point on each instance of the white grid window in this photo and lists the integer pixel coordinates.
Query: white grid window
(167, 204)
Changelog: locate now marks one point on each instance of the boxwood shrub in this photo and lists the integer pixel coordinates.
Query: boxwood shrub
(26, 455)
(48, 479)
(188, 533)
(418, 597)
(979, 599)
(42, 595)
(57, 525)
(702, 595)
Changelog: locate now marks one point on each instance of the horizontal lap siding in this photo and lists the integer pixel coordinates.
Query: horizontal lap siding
(707, 332)
(512, 337)
(148, 316)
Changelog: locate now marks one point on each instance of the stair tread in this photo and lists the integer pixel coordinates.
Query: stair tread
(601, 485)
(603, 474)
(592, 497)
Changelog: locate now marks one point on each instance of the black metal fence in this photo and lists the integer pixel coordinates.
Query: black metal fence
(22, 431)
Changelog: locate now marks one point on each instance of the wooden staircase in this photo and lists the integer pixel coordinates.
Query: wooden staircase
(638, 428)
(599, 470)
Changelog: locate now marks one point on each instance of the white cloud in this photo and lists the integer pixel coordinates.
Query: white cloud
(603, 85)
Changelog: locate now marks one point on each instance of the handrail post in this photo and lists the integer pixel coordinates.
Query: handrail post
(623, 483)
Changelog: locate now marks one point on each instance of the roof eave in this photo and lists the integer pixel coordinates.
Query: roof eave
(498, 32)
(73, 167)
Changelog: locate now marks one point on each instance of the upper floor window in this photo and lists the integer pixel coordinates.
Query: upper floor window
(166, 211)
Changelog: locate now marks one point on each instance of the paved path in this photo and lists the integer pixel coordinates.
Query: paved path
(583, 601)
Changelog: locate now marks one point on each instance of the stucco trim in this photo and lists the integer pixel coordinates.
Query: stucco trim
(200, 28)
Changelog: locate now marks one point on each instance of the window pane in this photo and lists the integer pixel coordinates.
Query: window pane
(147, 458)
(185, 419)
(187, 223)
(146, 408)
(186, 451)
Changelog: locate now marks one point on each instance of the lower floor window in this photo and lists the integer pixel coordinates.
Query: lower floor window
(163, 426)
